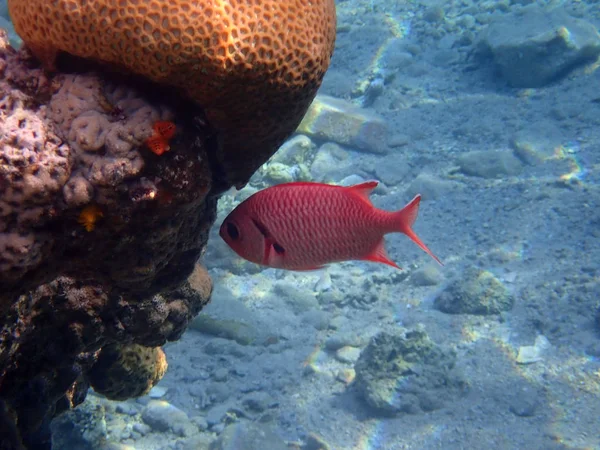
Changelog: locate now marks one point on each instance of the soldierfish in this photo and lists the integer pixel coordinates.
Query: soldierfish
(305, 225)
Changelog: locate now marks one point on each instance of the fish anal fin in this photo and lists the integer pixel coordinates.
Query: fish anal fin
(363, 190)
(379, 254)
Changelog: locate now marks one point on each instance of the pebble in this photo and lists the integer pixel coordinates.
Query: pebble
(157, 392)
(126, 408)
(317, 318)
(141, 428)
(430, 187)
(529, 354)
(257, 401)
(200, 422)
(347, 354)
(246, 435)
(428, 275)
(490, 164)
(162, 416)
(221, 374)
(199, 442)
(346, 376)
(297, 299)
(343, 339)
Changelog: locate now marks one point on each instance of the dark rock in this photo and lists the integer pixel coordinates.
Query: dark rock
(537, 47)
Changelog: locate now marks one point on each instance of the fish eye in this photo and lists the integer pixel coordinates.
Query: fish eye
(233, 231)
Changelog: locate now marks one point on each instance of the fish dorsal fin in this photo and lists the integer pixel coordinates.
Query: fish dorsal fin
(363, 190)
(302, 183)
(379, 254)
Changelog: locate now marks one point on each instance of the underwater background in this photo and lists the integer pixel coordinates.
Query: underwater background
(491, 111)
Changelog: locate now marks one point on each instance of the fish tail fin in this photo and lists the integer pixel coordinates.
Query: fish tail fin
(403, 221)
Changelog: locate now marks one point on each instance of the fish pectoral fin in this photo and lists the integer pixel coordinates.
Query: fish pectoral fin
(273, 253)
(379, 254)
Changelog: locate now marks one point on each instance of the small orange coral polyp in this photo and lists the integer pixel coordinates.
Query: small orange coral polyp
(165, 129)
(89, 216)
(158, 143)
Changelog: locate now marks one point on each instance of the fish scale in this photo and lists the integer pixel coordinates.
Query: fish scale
(303, 226)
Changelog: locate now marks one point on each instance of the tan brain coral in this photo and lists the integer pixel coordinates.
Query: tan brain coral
(253, 65)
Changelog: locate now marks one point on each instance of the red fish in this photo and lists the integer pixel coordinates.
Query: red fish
(304, 226)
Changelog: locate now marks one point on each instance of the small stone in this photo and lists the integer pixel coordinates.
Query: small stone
(529, 354)
(428, 275)
(217, 413)
(315, 442)
(399, 140)
(331, 163)
(221, 374)
(235, 330)
(163, 417)
(141, 428)
(126, 408)
(524, 401)
(198, 442)
(316, 318)
(294, 151)
(490, 164)
(346, 376)
(392, 174)
(298, 300)
(434, 15)
(276, 173)
(324, 282)
(347, 354)
(246, 435)
(257, 401)
(340, 121)
(200, 422)
(339, 340)
(429, 187)
(157, 392)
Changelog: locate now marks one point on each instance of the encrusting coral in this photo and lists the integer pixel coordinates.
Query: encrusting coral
(121, 123)
(127, 371)
(254, 67)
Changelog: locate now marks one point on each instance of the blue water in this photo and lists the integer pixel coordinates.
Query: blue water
(491, 111)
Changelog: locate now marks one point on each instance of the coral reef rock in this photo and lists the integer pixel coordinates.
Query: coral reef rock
(253, 66)
(475, 292)
(127, 371)
(108, 190)
(406, 373)
(113, 154)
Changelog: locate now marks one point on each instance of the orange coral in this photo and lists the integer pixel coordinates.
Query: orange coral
(158, 143)
(253, 66)
(89, 216)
